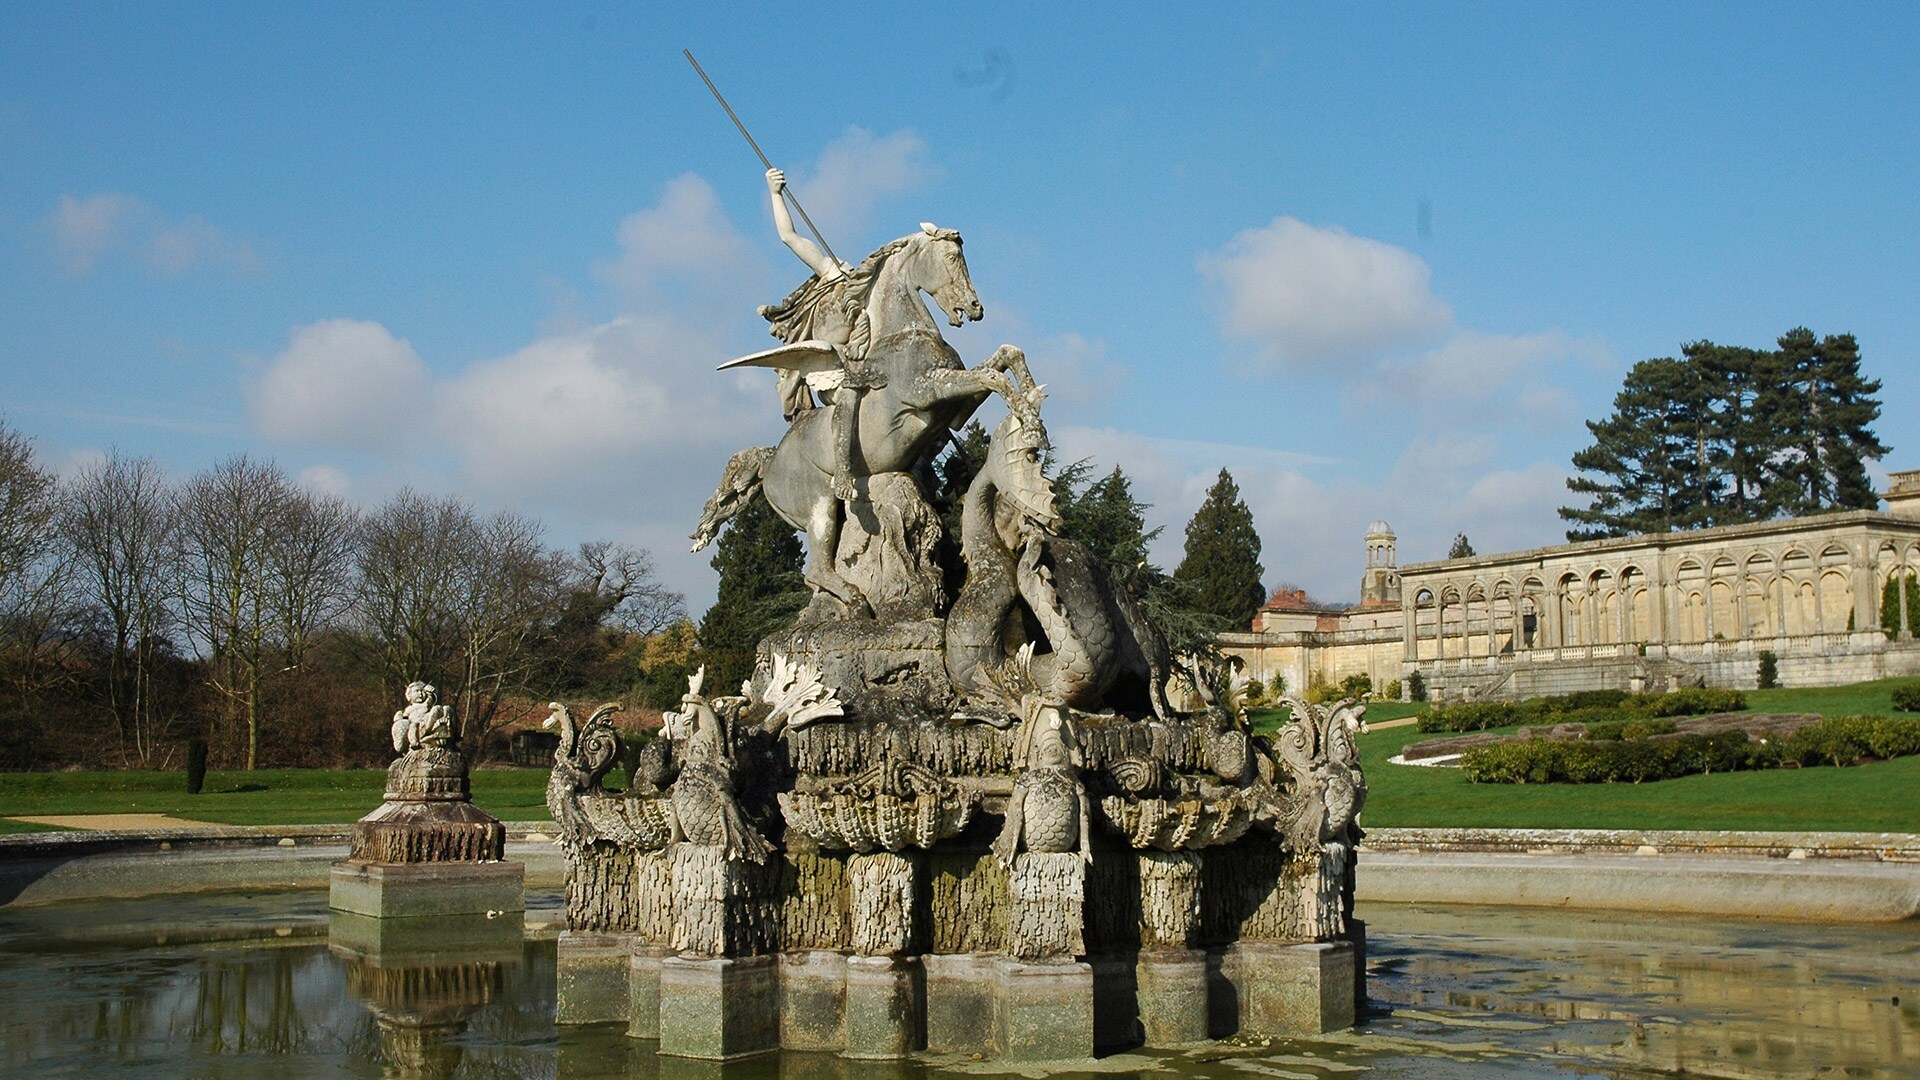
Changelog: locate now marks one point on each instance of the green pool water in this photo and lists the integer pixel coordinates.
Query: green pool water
(247, 986)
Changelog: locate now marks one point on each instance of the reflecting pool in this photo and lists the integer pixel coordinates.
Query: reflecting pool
(247, 986)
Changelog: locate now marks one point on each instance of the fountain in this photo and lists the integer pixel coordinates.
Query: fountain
(999, 820)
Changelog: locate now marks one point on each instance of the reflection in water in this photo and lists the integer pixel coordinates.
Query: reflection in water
(1727, 999)
(213, 987)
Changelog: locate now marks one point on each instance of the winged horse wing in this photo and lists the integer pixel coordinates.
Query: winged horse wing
(806, 357)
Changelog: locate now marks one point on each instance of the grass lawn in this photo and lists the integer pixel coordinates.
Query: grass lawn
(1867, 798)
(264, 797)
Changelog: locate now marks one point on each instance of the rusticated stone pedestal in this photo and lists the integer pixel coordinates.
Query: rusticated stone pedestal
(719, 1009)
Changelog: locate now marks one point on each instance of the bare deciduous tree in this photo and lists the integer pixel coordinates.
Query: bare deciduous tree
(310, 562)
(635, 598)
(409, 588)
(514, 589)
(117, 518)
(36, 579)
(229, 517)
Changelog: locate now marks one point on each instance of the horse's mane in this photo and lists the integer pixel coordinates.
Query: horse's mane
(859, 283)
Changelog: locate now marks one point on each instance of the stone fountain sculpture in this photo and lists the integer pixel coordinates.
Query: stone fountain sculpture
(427, 852)
(949, 821)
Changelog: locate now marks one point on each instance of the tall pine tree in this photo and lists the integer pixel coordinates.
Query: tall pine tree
(1825, 407)
(1643, 469)
(1728, 435)
(1221, 567)
(761, 590)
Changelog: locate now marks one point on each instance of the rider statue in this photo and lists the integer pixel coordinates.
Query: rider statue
(828, 307)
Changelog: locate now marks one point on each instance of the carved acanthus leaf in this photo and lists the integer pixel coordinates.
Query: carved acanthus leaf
(796, 696)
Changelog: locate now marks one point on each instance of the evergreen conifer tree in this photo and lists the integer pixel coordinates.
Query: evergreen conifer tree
(1824, 407)
(1461, 549)
(1221, 567)
(1642, 470)
(761, 590)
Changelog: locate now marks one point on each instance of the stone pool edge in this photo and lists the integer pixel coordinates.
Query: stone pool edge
(1815, 876)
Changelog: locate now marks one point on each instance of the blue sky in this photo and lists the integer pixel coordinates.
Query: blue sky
(1380, 261)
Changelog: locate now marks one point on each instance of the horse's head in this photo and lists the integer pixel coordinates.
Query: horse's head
(939, 267)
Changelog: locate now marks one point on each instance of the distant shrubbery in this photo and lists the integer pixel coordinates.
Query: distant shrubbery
(1630, 758)
(1583, 707)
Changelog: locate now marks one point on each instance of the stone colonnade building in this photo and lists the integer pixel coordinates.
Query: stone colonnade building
(1636, 613)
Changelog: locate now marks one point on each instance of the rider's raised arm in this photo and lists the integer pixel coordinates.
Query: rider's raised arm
(818, 261)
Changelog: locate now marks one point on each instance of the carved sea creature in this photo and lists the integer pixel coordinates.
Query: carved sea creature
(1048, 811)
(1018, 565)
(704, 808)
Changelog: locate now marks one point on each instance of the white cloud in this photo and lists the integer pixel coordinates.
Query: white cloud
(1303, 296)
(686, 234)
(1498, 379)
(343, 382)
(854, 174)
(85, 230)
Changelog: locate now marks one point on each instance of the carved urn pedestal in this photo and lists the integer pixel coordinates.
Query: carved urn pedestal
(428, 862)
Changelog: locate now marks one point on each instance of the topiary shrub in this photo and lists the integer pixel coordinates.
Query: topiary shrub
(1416, 687)
(1769, 677)
(1906, 697)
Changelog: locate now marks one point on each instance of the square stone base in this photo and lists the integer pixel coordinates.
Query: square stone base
(813, 1000)
(719, 1010)
(428, 890)
(593, 977)
(963, 993)
(1302, 989)
(1172, 995)
(1046, 1011)
(451, 939)
(886, 1005)
(643, 989)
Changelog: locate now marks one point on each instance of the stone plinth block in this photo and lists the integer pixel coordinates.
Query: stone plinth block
(428, 890)
(450, 939)
(963, 995)
(719, 1009)
(592, 973)
(1046, 1011)
(1172, 988)
(813, 1000)
(643, 989)
(1302, 989)
(886, 1004)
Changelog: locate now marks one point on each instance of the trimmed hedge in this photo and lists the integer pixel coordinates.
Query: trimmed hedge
(1840, 740)
(1587, 706)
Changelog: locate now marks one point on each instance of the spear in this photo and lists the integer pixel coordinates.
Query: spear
(786, 190)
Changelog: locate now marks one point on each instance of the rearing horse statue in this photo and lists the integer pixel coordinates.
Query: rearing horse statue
(918, 391)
